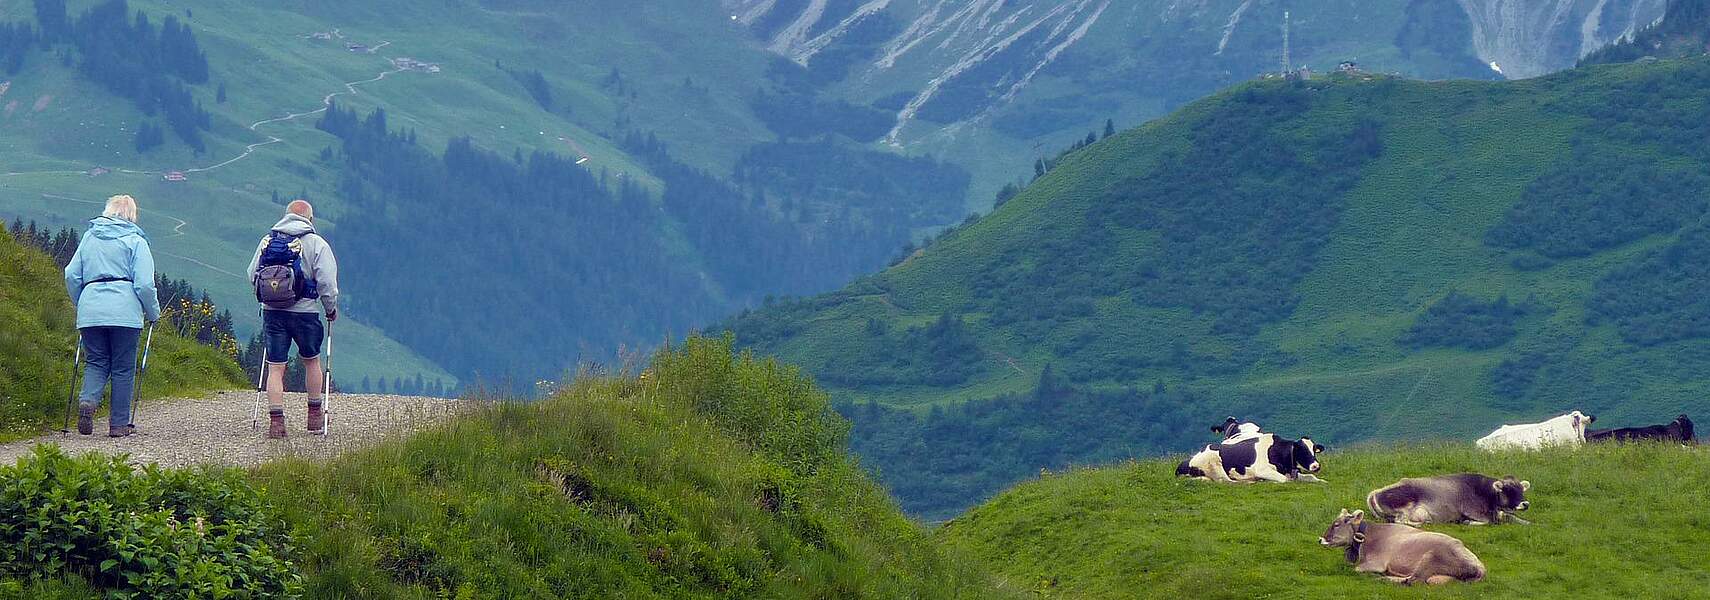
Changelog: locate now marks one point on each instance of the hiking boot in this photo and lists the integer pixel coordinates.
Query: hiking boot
(121, 431)
(275, 423)
(317, 418)
(85, 419)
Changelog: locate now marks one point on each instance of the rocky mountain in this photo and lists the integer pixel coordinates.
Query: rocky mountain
(984, 81)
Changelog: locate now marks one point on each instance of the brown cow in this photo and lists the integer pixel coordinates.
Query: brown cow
(1400, 553)
(1463, 498)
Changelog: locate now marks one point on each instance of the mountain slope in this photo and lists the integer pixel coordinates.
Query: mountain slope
(1351, 257)
(772, 148)
(38, 338)
(603, 95)
(1607, 523)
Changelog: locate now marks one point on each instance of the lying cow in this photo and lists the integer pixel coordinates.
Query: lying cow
(1240, 461)
(1400, 553)
(1233, 430)
(1680, 430)
(1464, 498)
(1566, 429)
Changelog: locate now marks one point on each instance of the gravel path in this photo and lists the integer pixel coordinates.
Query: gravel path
(217, 429)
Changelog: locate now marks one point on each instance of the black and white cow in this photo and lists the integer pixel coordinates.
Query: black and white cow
(1266, 456)
(1680, 430)
(1461, 498)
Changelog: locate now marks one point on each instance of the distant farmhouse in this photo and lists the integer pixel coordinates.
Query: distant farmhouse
(409, 64)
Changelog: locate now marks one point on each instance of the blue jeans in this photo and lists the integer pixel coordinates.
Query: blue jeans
(110, 355)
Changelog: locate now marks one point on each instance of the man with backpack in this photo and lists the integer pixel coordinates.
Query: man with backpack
(295, 275)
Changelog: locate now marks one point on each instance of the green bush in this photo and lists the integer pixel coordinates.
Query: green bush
(148, 533)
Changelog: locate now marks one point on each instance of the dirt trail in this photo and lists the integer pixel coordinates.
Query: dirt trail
(216, 429)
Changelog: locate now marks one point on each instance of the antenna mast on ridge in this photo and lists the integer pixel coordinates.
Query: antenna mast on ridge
(1287, 66)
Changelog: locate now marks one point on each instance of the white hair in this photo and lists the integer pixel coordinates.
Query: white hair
(121, 206)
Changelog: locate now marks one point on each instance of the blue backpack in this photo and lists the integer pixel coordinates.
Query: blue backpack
(279, 278)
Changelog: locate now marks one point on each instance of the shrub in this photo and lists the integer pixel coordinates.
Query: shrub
(1461, 321)
(148, 533)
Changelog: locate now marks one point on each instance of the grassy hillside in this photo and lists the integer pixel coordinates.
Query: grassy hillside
(1348, 256)
(1608, 522)
(38, 338)
(708, 476)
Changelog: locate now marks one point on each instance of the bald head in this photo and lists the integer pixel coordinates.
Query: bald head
(301, 208)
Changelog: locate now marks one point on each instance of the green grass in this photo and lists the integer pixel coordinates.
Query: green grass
(707, 476)
(1608, 522)
(38, 339)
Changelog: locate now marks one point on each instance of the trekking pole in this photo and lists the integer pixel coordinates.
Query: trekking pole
(71, 398)
(326, 384)
(136, 390)
(260, 379)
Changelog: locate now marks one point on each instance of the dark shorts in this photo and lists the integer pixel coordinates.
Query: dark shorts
(283, 328)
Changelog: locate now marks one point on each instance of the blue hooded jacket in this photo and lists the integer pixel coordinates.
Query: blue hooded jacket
(117, 251)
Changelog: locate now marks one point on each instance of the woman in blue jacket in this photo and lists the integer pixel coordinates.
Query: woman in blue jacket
(111, 281)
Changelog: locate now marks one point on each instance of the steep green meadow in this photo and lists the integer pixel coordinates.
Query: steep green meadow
(709, 475)
(38, 337)
(1350, 257)
(1608, 522)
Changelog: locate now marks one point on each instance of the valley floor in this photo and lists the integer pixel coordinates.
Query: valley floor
(216, 429)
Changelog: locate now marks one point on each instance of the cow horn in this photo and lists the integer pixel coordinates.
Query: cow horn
(1343, 514)
(1496, 485)
(1525, 486)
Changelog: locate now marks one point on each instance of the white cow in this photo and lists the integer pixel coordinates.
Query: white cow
(1566, 429)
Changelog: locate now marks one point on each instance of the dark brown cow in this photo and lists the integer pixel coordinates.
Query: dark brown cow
(1463, 498)
(1400, 553)
(1680, 430)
